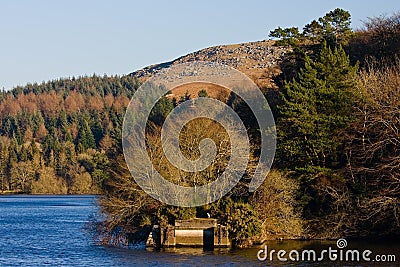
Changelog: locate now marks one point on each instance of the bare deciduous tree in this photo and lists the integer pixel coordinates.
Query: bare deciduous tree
(373, 149)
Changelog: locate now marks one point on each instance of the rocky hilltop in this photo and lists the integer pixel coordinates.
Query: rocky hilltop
(259, 60)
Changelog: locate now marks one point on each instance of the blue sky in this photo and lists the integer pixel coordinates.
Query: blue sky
(48, 39)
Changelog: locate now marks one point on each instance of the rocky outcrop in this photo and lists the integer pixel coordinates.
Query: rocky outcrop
(259, 60)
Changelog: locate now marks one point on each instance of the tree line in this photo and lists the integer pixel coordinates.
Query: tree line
(53, 136)
(338, 121)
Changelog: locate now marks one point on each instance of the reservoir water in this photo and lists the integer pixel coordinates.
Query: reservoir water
(49, 231)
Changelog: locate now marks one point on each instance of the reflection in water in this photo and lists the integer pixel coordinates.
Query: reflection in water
(47, 230)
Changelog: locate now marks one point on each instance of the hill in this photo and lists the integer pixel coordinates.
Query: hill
(258, 60)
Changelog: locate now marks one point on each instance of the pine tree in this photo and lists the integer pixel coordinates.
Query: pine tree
(98, 131)
(314, 109)
(336, 26)
(63, 121)
(287, 36)
(297, 121)
(12, 160)
(68, 137)
(3, 166)
(85, 137)
(91, 142)
(23, 154)
(161, 110)
(202, 93)
(313, 30)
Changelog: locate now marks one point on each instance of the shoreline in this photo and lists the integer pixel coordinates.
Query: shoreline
(13, 193)
(278, 238)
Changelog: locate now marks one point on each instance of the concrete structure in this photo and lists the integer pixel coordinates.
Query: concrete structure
(196, 232)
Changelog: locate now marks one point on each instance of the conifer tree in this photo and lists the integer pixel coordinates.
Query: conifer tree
(3, 166)
(23, 154)
(85, 137)
(336, 26)
(314, 109)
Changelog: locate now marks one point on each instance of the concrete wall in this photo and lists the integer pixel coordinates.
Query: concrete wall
(200, 223)
(196, 232)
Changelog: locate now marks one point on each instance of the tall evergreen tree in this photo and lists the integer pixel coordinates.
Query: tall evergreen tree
(336, 26)
(3, 166)
(314, 109)
(85, 136)
(161, 110)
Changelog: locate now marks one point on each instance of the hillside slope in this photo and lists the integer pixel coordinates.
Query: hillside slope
(259, 60)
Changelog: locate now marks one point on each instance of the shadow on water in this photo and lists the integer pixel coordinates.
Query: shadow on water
(47, 230)
(248, 256)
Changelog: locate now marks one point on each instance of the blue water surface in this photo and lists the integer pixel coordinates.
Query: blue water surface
(49, 231)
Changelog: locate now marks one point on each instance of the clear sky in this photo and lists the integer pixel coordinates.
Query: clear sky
(48, 39)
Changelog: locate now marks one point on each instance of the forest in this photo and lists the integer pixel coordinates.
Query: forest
(337, 167)
(54, 135)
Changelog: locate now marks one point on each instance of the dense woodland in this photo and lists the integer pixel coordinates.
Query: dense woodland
(337, 166)
(54, 135)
